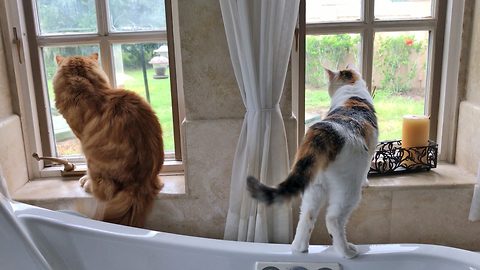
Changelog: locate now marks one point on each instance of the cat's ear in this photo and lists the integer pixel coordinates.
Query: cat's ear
(94, 56)
(59, 59)
(330, 73)
(352, 66)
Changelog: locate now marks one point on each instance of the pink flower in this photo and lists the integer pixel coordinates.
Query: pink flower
(408, 42)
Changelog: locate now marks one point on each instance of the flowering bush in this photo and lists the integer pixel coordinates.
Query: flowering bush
(396, 61)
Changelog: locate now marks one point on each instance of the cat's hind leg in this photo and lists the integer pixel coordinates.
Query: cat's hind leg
(341, 204)
(365, 182)
(312, 201)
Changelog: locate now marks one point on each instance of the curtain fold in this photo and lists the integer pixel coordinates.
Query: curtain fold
(475, 207)
(3, 185)
(259, 36)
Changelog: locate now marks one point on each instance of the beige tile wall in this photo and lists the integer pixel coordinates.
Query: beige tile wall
(5, 96)
(468, 145)
(12, 151)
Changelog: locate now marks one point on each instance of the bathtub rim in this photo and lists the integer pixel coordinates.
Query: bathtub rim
(27, 213)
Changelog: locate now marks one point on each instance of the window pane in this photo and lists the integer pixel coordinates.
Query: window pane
(402, 9)
(143, 68)
(130, 15)
(333, 52)
(66, 16)
(332, 11)
(65, 141)
(399, 75)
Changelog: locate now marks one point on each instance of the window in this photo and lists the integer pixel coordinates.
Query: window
(135, 42)
(396, 44)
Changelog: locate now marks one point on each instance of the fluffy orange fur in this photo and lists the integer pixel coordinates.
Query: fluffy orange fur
(120, 135)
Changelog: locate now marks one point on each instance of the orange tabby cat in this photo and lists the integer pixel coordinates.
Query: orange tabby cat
(120, 135)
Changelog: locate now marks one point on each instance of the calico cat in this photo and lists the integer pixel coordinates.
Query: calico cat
(332, 163)
(120, 136)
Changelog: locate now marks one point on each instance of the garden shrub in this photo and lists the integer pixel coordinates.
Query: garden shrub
(332, 48)
(396, 61)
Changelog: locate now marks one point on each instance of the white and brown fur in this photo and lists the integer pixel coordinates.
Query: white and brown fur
(120, 136)
(331, 164)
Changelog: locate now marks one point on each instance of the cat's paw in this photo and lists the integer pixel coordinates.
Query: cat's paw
(85, 183)
(365, 183)
(83, 180)
(350, 252)
(299, 247)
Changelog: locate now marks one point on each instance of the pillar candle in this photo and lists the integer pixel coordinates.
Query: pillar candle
(415, 131)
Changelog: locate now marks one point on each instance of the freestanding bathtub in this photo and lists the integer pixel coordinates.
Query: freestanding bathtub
(36, 238)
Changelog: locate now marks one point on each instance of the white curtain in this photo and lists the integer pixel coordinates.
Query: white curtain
(475, 207)
(259, 35)
(3, 185)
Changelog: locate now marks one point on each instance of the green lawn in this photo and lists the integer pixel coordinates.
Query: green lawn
(390, 109)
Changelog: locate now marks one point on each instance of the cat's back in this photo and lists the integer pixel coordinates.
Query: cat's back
(351, 127)
(131, 116)
(125, 137)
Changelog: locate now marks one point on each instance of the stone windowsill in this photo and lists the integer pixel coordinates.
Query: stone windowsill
(445, 176)
(55, 188)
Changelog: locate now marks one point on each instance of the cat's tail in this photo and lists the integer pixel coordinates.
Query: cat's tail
(130, 206)
(319, 148)
(302, 173)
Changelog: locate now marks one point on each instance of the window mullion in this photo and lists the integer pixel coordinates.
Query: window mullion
(299, 95)
(367, 56)
(173, 81)
(105, 46)
(90, 39)
(368, 37)
(102, 17)
(106, 54)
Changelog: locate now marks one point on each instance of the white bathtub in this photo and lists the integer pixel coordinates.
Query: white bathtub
(36, 238)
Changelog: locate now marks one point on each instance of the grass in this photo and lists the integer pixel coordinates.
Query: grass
(390, 109)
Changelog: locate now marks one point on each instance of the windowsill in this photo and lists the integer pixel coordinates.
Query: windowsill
(445, 176)
(51, 189)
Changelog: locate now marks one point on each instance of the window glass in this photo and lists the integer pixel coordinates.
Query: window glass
(66, 16)
(330, 51)
(399, 78)
(131, 15)
(402, 9)
(143, 68)
(332, 11)
(65, 141)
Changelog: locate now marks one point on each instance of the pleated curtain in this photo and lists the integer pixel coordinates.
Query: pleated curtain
(259, 35)
(3, 185)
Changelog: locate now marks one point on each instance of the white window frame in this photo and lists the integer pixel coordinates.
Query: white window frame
(366, 27)
(29, 83)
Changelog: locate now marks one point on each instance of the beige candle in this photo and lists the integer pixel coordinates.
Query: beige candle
(415, 131)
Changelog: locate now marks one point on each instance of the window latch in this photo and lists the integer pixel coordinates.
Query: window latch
(67, 166)
(17, 42)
